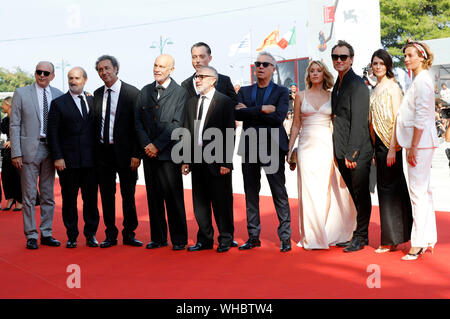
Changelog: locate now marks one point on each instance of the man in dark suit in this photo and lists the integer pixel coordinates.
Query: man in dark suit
(262, 108)
(351, 139)
(211, 178)
(71, 140)
(160, 110)
(201, 56)
(116, 149)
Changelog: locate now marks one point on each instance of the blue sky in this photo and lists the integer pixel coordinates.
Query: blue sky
(69, 30)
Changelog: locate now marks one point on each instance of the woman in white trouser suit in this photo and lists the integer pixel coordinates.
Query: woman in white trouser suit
(416, 132)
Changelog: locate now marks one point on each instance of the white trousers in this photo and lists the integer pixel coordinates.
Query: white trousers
(424, 219)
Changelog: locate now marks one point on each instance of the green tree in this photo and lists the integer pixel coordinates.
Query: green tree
(9, 81)
(415, 19)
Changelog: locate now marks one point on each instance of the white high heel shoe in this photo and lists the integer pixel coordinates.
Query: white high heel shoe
(414, 256)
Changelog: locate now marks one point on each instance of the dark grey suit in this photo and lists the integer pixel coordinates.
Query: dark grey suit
(155, 121)
(26, 142)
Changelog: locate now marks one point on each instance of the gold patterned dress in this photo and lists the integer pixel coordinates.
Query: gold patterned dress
(393, 195)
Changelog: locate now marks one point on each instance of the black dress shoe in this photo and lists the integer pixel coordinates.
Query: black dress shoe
(71, 244)
(285, 245)
(91, 241)
(50, 241)
(223, 248)
(32, 243)
(234, 243)
(199, 246)
(343, 244)
(251, 243)
(132, 242)
(355, 245)
(108, 243)
(179, 247)
(153, 244)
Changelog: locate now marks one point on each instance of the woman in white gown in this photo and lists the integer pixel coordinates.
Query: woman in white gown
(326, 209)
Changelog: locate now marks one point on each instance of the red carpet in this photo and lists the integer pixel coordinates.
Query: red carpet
(129, 272)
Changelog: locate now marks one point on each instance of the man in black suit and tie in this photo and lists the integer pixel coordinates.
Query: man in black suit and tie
(262, 108)
(211, 178)
(116, 149)
(70, 137)
(160, 110)
(201, 56)
(351, 139)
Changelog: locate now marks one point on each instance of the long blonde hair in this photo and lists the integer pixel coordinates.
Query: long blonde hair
(328, 80)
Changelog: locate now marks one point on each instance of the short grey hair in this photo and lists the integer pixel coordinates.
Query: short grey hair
(269, 55)
(51, 64)
(214, 71)
(81, 69)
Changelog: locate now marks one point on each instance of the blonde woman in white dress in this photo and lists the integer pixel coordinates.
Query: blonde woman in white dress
(326, 210)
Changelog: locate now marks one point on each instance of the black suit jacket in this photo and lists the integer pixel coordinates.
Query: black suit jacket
(351, 135)
(156, 119)
(221, 116)
(124, 133)
(69, 136)
(223, 85)
(252, 116)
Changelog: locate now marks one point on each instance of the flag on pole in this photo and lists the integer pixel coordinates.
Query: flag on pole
(287, 39)
(270, 41)
(241, 47)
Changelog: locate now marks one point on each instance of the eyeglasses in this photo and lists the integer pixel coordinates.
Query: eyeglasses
(39, 72)
(264, 64)
(202, 76)
(343, 57)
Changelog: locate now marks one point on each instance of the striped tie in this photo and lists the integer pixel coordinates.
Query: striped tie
(45, 115)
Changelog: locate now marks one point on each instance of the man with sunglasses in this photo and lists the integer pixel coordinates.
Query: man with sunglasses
(159, 111)
(351, 139)
(31, 155)
(263, 107)
(201, 56)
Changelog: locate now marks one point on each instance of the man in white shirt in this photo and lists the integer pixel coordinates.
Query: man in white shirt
(211, 177)
(445, 93)
(71, 141)
(31, 155)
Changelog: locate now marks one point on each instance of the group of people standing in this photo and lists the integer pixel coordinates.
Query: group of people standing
(89, 139)
(334, 198)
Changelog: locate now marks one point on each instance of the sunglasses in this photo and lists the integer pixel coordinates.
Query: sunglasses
(264, 64)
(202, 76)
(343, 57)
(39, 72)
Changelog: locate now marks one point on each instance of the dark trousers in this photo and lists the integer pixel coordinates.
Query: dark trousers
(164, 185)
(216, 191)
(107, 169)
(10, 178)
(71, 181)
(252, 185)
(357, 181)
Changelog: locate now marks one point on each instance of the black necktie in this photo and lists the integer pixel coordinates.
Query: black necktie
(107, 116)
(160, 89)
(200, 109)
(83, 106)
(45, 113)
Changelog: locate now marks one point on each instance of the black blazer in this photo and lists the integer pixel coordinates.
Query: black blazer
(223, 85)
(350, 108)
(156, 119)
(69, 136)
(124, 134)
(253, 117)
(221, 116)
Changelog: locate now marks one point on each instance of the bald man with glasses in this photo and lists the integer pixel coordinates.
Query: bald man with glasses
(30, 153)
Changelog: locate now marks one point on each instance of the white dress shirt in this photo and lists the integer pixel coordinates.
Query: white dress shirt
(206, 105)
(195, 87)
(165, 85)
(115, 92)
(40, 95)
(77, 101)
